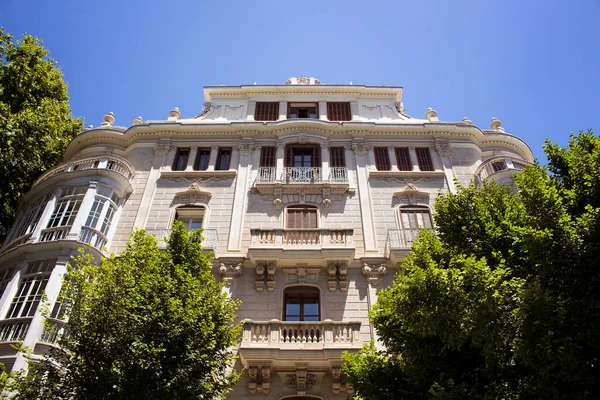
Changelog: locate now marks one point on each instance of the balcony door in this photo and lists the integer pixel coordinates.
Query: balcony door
(303, 157)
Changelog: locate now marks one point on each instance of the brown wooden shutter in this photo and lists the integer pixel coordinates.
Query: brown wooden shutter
(267, 157)
(337, 157)
(289, 155)
(382, 159)
(316, 159)
(403, 159)
(424, 159)
(339, 111)
(267, 111)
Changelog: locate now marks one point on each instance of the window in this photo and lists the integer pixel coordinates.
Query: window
(301, 217)
(412, 219)
(191, 216)
(382, 159)
(424, 159)
(301, 304)
(223, 160)
(267, 111)
(267, 157)
(100, 217)
(303, 156)
(66, 208)
(202, 158)
(339, 112)
(302, 110)
(32, 216)
(403, 159)
(337, 157)
(499, 166)
(181, 159)
(31, 289)
(5, 277)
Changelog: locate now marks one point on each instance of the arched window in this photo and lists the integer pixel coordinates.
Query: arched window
(413, 219)
(301, 303)
(191, 216)
(302, 217)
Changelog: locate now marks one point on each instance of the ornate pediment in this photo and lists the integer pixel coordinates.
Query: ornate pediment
(194, 190)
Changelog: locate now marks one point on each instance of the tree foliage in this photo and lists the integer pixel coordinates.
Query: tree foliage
(35, 119)
(142, 325)
(503, 302)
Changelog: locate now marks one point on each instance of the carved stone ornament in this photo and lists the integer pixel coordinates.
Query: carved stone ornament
(252, 378)
(336, 378)
(195, 190)
(411, 194)
(230, 271)
(277, 203)
(338, 275)
(265, 275)
(360, 149)
(246, 148)
(301, 381)
(443, 149)
(161, 149)
(303, 80)
(206, 107)
(400, 107)
(301, 274)
(373, 272)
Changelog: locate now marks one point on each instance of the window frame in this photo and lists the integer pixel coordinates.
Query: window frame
(268, 157)
(197, 211)
(339, 111)
(31, 288)
(403, 160)
(302, 105)
(181, 160)
(337, 157)
(424, 159)
(266, 111)
(382, 159)
(301, 293)
(203, 156)
(220, 155)
(302, 209)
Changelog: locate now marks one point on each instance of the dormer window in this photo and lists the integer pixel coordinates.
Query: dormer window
(302, 110)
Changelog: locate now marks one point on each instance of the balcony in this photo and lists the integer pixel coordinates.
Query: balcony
(307, 179)
(285, 342)
(399, 243)
(499, 169)
(306, 243)
(210, 242)
(111, 166)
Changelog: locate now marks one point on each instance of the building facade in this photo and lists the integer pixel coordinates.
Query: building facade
(309, 194)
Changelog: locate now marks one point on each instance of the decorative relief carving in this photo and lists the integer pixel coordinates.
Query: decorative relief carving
(301, 381)
(301, 274)
(197, 176)
(265, 275)
(443, 148)
(360, 149)
(336, 378)
(246, 148)
(411, 194)
(373, 272)
(230, 271)
(338, 275)
(206, 108)
(302, 138)
(195, 190)
(161, 149)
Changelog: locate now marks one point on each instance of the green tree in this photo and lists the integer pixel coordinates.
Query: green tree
(35, 119)
(503, 302)
(142, 325)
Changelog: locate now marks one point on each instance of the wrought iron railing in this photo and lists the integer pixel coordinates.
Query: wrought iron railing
(56, 233)
(53, 329)
(499, 165)
(338, 175)
(92, 237)
(211, 238)
(302, 175)
(14, 330)
(401, 238)
(266, 175)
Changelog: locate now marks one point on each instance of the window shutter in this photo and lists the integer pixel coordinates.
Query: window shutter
(316, 160)
(267, 157)
(403, 159)
(337, 157)
(382, 159)
(424, 159)
(339, 111)
(288, 156)
(267, 111)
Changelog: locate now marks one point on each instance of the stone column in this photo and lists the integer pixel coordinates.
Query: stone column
(240, 197)
(45, 217)
(325, 161)
(445, 151)
(373, 274)
(364, 196)
(279, 164)
(161, 150)
(212, 160)
(392, 156)
(84, 211)
(192, 158)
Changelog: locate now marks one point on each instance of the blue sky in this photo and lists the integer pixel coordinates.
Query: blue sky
(532, 64)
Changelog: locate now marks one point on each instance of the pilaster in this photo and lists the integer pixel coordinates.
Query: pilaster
(84, 210)
(364, 195)
(240, 197)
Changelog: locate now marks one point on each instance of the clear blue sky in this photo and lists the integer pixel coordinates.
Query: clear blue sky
(533, 64)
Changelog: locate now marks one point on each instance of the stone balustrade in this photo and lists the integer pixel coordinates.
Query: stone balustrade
(211, 238)
(301, 237)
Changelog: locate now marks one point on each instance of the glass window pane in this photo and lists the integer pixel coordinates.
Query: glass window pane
(311, 309)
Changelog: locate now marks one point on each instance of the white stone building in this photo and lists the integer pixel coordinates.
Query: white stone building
(310, 195)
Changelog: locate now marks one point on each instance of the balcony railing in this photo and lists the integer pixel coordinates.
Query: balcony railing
(109, 163)
(301, 237)
(211, 239)
(302, 175)
(401, 238)
(499, 165)
(53, 328)
(14, 330)
(282, 333)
